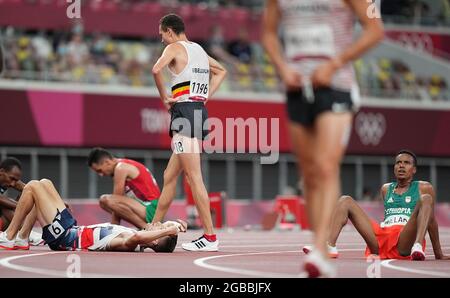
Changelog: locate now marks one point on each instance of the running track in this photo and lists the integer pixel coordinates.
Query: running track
(243, 254)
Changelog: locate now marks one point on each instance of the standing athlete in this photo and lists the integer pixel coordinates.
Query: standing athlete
(195, 77)
(135, 194)
(321, 89)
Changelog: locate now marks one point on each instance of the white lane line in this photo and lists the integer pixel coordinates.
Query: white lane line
(387, 264)
(202, 262)
(6, 262)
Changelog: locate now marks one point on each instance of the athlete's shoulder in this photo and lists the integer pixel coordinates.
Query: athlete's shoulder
(384, 189)
(425, 185)
(175, 47)
(124, 165)
(386, 186)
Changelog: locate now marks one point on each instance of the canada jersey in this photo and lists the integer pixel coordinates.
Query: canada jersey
(398, 208)
(315, 31)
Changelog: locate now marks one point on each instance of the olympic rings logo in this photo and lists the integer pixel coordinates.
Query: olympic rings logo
(423, 42)
(370, 127)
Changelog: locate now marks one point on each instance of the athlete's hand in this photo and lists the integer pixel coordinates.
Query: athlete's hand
(153, 226)
(442, 257)
(291, 78)
(169, 102)
(323, 74)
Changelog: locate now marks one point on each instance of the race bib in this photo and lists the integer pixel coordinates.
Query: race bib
(56, 229)
(317, 40)
(395, 220)
(199, 82)
(199, 89)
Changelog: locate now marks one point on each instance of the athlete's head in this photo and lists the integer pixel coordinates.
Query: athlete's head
(10, 172)
(170, 28)
(102, 162)
(405, 164)
(165, 244)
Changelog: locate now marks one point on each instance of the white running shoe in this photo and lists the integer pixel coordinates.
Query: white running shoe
(201, 244)
(21, 244)
(417, 253)
(317, 266)
(35, 239)
(332, 251)
(6, 244)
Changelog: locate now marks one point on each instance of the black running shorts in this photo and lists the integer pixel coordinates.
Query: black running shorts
(188, 119)
(305, 111)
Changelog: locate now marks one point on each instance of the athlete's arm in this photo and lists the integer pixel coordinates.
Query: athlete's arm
(19, 185)
(372, 33)
(7, 203)
(433, 229)
(383, 190)
(167, 56)
(120, 177)
(272, 45)
(218, 73)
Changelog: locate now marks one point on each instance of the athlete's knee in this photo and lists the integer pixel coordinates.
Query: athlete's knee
(31, 185)
(46, 181)
(326, 170)
(426, 199)
(345, 200)
(104, 201)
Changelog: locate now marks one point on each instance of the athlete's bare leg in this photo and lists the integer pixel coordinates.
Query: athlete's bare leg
(47, 205)
(192, 168)
(346, 209)
(32, 217)
(417, 225)
(124, 208)
(27, 227)
(320, 150)
(169, 190)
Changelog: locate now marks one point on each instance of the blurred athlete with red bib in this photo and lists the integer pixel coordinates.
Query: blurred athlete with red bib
(321, 92)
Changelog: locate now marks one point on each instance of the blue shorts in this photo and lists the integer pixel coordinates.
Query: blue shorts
(61, 234)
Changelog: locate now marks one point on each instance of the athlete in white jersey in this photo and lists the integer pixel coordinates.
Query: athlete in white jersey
(319, 81)
(195, 78)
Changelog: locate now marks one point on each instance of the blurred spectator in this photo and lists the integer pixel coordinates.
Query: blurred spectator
(77, 50)
(216, 47)
(241, 48)
(101, 59)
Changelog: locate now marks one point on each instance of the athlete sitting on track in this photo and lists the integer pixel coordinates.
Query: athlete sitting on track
(408, 215)
(40, 201)
(10, 177)
(135, 194)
